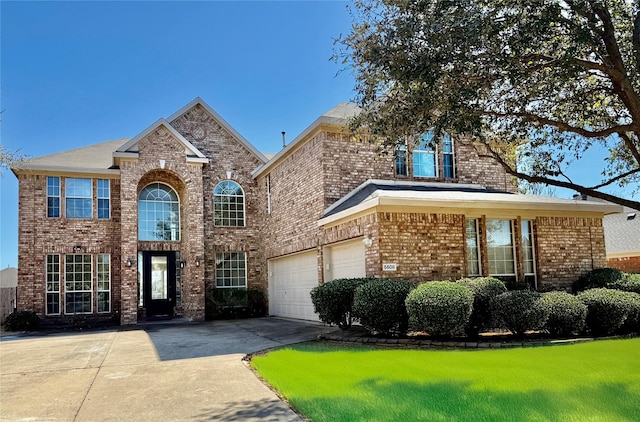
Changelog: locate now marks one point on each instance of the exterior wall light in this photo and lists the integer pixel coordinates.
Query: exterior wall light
(367, 242)
(182, 264)
(197, 262)
(129, 262)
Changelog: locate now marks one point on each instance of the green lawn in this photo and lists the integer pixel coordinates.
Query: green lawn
(593, 381)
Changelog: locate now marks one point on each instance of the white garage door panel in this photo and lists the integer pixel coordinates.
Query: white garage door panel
(290, 282)
(347, 260)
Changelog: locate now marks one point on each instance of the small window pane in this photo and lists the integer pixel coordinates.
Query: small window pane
(53, 197)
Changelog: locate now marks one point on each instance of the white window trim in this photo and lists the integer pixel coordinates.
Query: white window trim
(244, 205)
(246, 275)
(405, 156)
(47, 292)
(98, 289)
(67, 197)
(78, 291)
(478, 248)
(453, 158)
(179, 237)
(513, 248)
(108, 198)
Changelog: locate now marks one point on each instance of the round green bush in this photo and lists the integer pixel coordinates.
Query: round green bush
(333, 301)
(441, 308)
(484, 290)
(632, 323)
(379, 305)
(628, 283)
(520, 310)
(597, 278)
(567, 313)
(607, 310)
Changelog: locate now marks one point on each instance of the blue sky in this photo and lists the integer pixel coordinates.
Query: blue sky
(78, 73)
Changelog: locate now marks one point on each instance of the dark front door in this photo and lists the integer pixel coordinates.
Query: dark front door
(159, 278)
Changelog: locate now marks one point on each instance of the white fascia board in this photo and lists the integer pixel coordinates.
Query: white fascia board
(465, 200)
(623, 254)
(222, 123)
(39, 169)
(293, 145)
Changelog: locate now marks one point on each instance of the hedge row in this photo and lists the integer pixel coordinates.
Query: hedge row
(469, 306)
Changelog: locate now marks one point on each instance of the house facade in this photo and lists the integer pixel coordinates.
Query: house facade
(137, 228)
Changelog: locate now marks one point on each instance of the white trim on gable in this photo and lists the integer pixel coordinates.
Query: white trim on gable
(222, 123)
(129, 150)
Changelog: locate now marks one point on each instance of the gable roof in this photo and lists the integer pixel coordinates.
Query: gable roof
(92, 159)
(129, 150)
(622, 231)
(374, 193)
(198, 101)
(337, 116)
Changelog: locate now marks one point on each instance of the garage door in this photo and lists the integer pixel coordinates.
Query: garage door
(346, 260)
(290, 282)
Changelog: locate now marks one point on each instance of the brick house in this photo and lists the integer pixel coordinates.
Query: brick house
(136, 228)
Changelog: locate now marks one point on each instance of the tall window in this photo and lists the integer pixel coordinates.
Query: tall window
(104, 195)
(448, 161)
(473, 250)
(158, 213)
(401, 160)
(228, 202)
(78, 198)
(104, 282)
(528, 251)
(424, 158)
(231, 269)
(77, 284)
(500, 248)
(53, 197)
(53, 284)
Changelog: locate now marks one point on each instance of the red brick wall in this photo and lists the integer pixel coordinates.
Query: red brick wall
(629, 264)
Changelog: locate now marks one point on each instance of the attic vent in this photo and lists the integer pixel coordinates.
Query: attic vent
(631, 216)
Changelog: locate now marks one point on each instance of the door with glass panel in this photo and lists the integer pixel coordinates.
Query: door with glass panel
(159, 278)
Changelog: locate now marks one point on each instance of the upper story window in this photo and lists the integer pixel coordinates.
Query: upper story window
(424, 157)
(53, 196)
(401, 160)
(78, 198)
(228, 203)
(104, 195)
(448, 159)
(158, 213)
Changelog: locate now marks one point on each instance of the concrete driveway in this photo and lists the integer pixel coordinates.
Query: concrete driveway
(159, 372)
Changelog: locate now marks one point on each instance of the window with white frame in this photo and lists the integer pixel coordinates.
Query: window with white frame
(473, 249)
(448, 158)
(528, 250)
(103, 280)
(231, 269)
(104, 199)
(158, 213)
(401, 160)
(500, 248)
(53, 196)
(78, 198)
(228, 204)
(78, 291)
(424, 157)
(53, 284)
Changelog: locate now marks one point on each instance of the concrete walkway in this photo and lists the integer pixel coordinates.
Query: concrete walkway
(159, 372)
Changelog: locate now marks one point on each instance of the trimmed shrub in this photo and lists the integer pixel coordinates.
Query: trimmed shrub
(234, 303)
(441, 308)
(607, 310)
(379, 305)
(567, 313)
(520, 311)
(628, 283)
(333, 301)
(597, 278)
(21, 321)
(632, 323)
(484, 290)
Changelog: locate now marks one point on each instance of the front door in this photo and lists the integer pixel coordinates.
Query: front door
(159, 278)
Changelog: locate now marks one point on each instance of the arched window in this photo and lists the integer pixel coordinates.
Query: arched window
(158, 213)
(228, 202)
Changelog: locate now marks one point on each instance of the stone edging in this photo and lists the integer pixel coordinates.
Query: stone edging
(436, 344)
